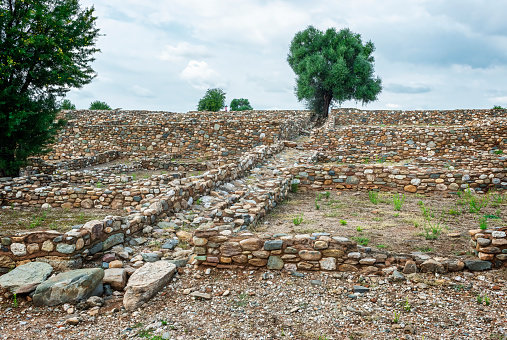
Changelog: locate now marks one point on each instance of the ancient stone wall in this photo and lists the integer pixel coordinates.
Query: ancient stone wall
(221, 248)
(490, 245)
(399, 178)
(202, 135)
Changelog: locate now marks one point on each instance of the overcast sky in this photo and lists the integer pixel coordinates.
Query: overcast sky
(163, 55)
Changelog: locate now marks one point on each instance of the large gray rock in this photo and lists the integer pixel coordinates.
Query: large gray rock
(146, 282)
(69, 287)
(26, 277)
(477, 265)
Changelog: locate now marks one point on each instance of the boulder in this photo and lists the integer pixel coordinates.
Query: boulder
(432, 266)
(476, 265)
(115, 277)
(26, 277)
(69, 287)
(146, 282)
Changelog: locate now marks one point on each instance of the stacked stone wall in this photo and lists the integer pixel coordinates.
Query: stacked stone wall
(202, 135)
(490, 245)
(399, 178)
(347, 116)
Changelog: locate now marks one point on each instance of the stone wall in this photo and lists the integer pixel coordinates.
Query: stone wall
(347, 116)
(221, 248)
(490, 245)
(202, 135)
(399, 178)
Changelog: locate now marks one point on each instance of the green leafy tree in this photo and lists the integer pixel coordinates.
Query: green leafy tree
(334, 66)
(213, 100)
(46, 47)
(240, 104)
(98, 105)
(67, 105)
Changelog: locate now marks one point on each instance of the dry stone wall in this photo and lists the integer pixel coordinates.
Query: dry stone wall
(203, 135)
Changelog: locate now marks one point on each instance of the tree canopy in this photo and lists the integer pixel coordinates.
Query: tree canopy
(240, 104)
(334, 66)
(98, 105)
(46, 48)
(213, 100)
(67, 105)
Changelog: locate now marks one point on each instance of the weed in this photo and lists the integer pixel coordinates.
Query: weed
(486, 300)
(373, 195)
(15, 300)
(294, 187)
(163, 322)
(361, 240)
(242, 300)
(396, 317)
(327, 194)
(483, 223)
(198, 202)
(427, 212)
(134, 176)
(317, 206)
(381, 246)
(319, 197)
(396, 215)
(498, 152)
(359, 228)
(343, 222)
(479, 299)
(455, 211)
(99, 185)
(407, 306)
(432, 231)
(425, 249)
(297, 220)
(476, 204)
(332, 214)
(398, 201)
(183, 245)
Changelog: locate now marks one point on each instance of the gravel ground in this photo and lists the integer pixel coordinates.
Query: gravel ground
(279, 305)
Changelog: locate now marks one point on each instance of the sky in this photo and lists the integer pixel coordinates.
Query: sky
(164, 55)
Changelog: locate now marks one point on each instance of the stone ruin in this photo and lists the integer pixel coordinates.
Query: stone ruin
(436, 153)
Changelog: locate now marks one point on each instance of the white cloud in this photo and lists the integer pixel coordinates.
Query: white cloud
(498, 100)
(392, 106)
(200, 75)
(182, 51)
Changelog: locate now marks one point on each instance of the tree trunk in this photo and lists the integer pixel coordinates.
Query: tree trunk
(325, 109)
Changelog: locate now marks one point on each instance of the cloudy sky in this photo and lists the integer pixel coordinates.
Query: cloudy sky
(163, 55)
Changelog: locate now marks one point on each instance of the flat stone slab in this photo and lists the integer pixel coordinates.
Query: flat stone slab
(69, 287)
(25, 278)
(146, 282)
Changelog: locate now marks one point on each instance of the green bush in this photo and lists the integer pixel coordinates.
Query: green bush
(213, 100)
(98, 105)
(67, 105)
(240, 104)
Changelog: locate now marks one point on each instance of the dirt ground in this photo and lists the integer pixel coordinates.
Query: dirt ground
(14, 220)
(426, 224)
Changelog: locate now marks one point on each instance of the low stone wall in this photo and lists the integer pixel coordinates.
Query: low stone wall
(399, 178)
(221, 248)
(490, 245)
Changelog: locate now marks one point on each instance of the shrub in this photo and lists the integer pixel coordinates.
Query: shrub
(98, 105)
(240, 104)
(213, 100)
(67, 105)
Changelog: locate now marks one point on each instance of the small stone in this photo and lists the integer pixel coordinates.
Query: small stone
(273, 245)
(396, 276)
(199, 295)
(410, 267)
(361, 289)
(316, 283)
(72, 321)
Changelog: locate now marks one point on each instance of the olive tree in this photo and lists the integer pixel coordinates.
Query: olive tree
(332, 66)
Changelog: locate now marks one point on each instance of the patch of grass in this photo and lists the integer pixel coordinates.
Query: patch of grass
(432, 231)
(373, 196)
(242, 300)
(427, 212)
(294, 187)
(359, 228)
(332, 214)
(343, 222)
(396, 317)
(317, 206)
(425, 249)
(362, 240)
(398, 201)
(297, 220)
(382, 246)
(483, 223)
(407, 306)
